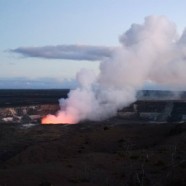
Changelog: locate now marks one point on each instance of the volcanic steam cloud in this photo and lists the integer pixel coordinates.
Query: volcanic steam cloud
(149, 52)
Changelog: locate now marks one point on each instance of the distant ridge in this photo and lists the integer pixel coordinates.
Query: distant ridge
(19, 97)
(161, 95)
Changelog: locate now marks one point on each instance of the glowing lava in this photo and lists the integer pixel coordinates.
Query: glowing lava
(59, 119)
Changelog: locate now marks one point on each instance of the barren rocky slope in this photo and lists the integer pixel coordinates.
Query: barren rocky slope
(107, 153)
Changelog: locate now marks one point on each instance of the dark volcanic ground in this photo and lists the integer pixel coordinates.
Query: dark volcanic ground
(105, 153)
(21, 97)
(115, 152)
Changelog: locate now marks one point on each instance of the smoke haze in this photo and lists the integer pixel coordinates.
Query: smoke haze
(152, 51)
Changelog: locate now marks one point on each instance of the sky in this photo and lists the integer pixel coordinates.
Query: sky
(78, 27)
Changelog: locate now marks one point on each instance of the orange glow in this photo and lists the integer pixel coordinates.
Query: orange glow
(59, 119)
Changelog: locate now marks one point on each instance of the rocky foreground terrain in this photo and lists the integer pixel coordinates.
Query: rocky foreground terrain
(113, 152)
(144, 145)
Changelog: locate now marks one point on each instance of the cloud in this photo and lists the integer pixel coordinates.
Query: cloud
(71, 52)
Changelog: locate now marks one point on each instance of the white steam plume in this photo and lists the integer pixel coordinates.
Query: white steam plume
(150, 51)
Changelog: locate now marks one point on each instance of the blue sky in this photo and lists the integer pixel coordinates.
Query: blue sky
(37, 23)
